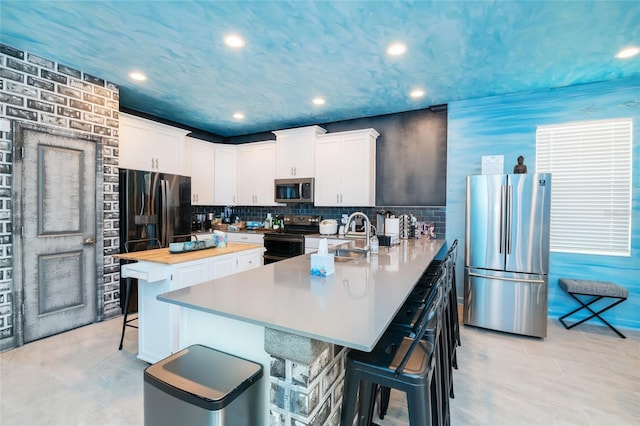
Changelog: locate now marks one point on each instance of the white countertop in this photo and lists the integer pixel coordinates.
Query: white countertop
(351, 308)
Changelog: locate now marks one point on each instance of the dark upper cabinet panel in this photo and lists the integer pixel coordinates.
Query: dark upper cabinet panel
(411, 159)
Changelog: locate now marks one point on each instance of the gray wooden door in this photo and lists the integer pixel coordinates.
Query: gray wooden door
(58, 220)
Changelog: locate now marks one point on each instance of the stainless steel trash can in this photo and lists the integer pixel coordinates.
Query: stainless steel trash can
(202, 386)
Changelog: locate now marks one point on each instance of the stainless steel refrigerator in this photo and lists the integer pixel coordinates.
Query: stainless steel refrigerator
(152, 205)
(507, 252)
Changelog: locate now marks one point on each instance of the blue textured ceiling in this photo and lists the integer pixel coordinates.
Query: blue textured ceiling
(298, 50)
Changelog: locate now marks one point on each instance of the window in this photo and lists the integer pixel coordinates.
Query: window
(591, 170)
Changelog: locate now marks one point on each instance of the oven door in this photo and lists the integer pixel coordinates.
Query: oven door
(282, 246)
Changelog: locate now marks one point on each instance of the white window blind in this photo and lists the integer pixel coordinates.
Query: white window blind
(591, 170)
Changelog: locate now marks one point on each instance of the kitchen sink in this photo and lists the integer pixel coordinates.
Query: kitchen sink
(346, 255)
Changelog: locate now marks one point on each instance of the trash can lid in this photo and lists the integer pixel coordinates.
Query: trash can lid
(203, 376)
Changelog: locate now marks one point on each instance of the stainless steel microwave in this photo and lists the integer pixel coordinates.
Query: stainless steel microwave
(296, 190)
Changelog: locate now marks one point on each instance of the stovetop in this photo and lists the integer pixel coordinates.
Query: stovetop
(300, 224)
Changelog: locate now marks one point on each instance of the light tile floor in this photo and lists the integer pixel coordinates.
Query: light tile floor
(584, 376)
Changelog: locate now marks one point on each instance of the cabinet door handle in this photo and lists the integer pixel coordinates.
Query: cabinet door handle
(337, 198)
(152, 164)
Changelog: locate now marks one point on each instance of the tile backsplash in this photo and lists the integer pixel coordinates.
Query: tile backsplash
(258, 213)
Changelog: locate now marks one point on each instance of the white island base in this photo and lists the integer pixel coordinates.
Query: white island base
(158, 272)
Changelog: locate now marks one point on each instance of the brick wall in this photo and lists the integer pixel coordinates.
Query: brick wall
(39, 90)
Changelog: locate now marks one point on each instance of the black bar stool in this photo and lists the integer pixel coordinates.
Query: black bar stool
(438, 334)
(435, 334)
(450, 261)
(452, 256)
(398, 361)
(136, 245)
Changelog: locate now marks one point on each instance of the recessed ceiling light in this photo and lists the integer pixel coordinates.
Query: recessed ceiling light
(318, 101)
(397, 49)
(138, 76)
(628, 52)
(238, 116)
(417, 93)
(233, 40)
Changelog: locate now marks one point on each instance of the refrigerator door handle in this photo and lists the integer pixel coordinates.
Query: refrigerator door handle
(519, 280)
(509, 219)
(165, 212)
(502, 219)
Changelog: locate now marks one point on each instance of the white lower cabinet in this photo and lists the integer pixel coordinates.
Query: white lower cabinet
(222, 266)
(249, 260)
(245, 237)
(311, 243)
(158, 324)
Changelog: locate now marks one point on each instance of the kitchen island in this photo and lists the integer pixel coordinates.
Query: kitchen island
(298, 326)
(159, 271)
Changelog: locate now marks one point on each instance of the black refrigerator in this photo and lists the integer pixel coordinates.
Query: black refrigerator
(152, 205)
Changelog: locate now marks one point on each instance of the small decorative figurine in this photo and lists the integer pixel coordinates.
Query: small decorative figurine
(520, 167)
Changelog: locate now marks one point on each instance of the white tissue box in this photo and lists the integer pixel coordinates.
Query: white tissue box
(322, 265)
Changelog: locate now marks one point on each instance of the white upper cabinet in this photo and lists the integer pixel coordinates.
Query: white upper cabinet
(345, 168)
(199, 164)
(256, 173)
(149, 145)
(295, 151)
(224, 192)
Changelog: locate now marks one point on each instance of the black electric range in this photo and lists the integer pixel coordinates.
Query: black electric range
(288, 241)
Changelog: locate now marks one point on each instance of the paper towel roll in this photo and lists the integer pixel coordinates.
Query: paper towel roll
(391, 226)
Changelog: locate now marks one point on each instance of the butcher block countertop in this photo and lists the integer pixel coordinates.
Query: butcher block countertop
(163, 256)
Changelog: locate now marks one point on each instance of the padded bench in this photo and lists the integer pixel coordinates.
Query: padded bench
(597, 289)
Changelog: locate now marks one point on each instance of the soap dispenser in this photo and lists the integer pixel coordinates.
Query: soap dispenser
(373, 242)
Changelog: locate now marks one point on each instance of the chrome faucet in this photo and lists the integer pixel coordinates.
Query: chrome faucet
(367, 227)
